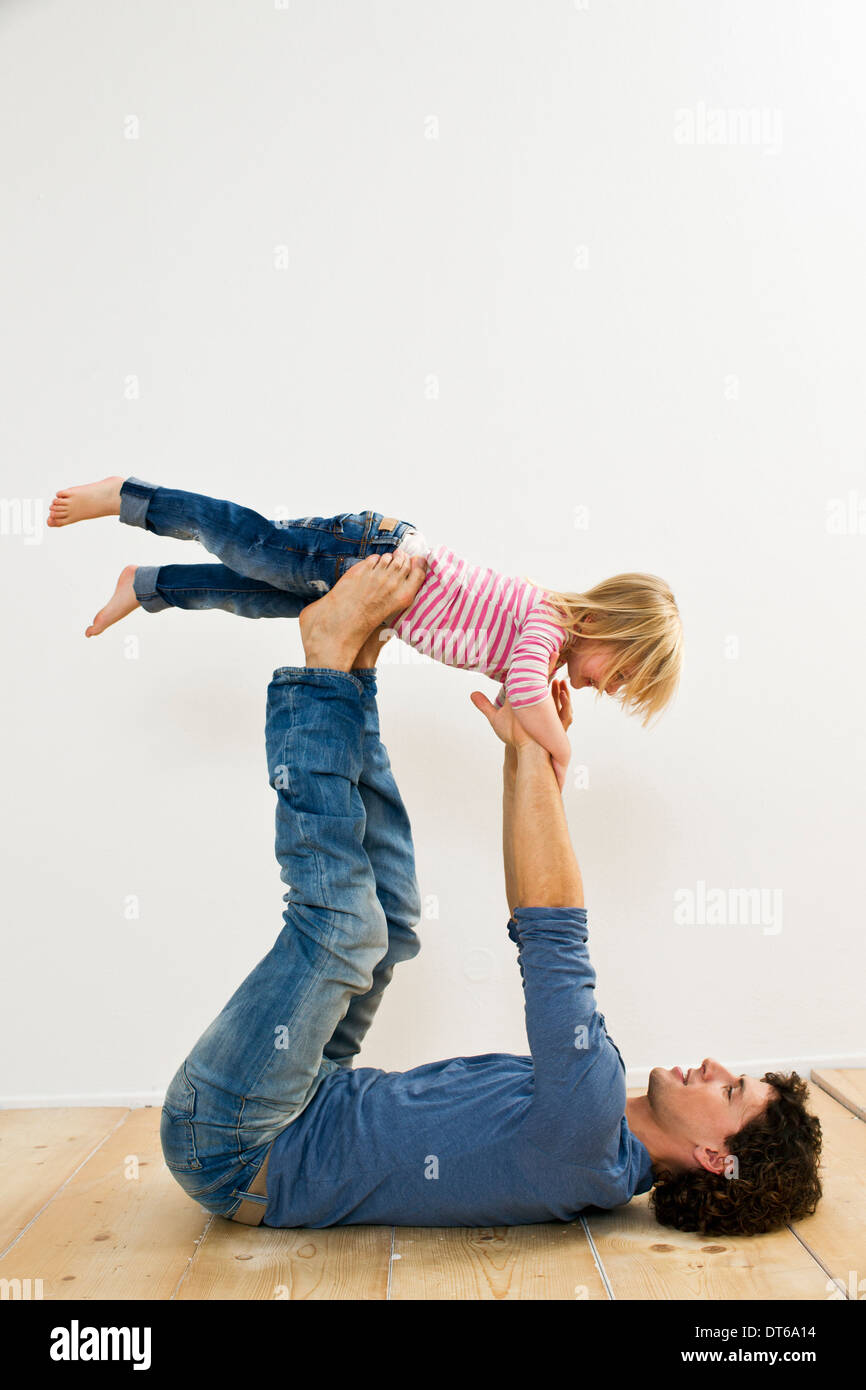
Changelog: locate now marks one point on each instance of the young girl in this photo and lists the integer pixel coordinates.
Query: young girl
(622, 636)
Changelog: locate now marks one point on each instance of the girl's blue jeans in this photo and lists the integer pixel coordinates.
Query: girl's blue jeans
(270, 569)
(344, 845)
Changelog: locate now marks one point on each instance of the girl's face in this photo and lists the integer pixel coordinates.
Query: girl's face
(586, 661)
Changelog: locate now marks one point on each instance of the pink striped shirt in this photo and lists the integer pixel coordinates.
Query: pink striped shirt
(474, 618)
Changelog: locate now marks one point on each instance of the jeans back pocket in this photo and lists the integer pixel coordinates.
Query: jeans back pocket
(176, 1129)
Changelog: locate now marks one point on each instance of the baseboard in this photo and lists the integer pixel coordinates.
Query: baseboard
(635, 1076)
(131, 1100)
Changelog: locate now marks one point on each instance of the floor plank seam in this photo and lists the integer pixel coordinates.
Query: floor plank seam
(850, 1106)
(598, 1261)
(198, 1245)
(45, 1205)
(817, 1258)
(391, 1263)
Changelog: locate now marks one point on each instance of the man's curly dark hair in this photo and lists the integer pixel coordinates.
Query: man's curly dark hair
(776, 1173)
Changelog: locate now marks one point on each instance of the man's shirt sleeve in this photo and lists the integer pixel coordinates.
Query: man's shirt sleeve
(579, 1079)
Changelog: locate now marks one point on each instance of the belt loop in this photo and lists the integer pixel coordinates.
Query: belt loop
(251, 1213)
(364, 543)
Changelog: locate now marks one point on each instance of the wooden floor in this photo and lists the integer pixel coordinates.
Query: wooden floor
(89, 1208)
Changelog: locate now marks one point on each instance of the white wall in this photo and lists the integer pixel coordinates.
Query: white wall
(669, 334)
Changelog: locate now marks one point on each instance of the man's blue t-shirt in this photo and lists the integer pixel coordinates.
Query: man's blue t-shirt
(493, 1140)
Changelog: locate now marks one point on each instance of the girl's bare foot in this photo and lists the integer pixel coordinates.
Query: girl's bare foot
(336, 627)
(85, 502)
(122, 602)
(369, 653)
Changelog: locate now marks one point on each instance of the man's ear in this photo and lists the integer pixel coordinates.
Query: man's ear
(711, 1159)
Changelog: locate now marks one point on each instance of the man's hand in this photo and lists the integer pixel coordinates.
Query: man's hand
(502, 721)
(508, 728)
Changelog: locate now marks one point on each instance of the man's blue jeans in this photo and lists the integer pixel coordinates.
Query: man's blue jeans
(344, 845)
(270, 569)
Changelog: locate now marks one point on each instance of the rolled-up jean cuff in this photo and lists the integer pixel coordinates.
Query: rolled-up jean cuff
(135, 495)
(319, 675)
(144, 585)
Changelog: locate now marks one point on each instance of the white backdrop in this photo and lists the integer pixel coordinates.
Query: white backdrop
(577, 288)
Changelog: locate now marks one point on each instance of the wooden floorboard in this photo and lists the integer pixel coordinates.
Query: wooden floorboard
(39, 1150)
(848, 1087)
(261, 1262)
(121, 1228)
(836, 1234)
(643, 1260)
(552, 1261)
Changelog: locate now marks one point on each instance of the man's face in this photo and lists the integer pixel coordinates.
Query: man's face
(700, 1108)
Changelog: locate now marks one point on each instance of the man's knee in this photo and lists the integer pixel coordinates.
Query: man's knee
(402, 903)
(353, 929)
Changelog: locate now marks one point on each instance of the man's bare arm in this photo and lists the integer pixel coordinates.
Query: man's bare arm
(546, 872)
(540, 866)
(509, 777)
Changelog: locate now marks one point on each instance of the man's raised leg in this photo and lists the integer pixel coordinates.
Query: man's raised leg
(260, 1062)
(389, 847)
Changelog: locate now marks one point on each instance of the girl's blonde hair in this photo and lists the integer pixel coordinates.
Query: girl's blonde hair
(638, 616)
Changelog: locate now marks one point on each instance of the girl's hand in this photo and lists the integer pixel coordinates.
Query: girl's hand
(562, 699)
